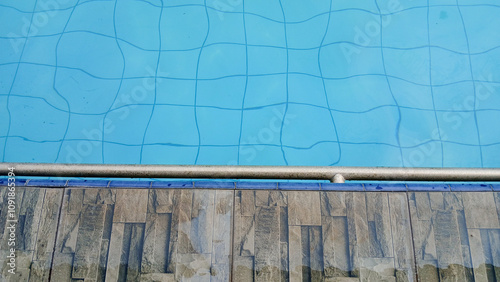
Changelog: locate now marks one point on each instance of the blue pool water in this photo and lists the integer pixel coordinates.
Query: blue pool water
(256, 82)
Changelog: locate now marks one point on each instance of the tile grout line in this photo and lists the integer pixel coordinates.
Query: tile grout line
(57, 233)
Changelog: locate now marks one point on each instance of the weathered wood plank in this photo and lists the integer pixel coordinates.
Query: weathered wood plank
(68, 233)
(449, 253)
(357, 225)
(295, 253)
(335, 247)
(161, 201)
(243, 269)
(401, 236)
(333, 204)
(5, 215)
(135, 252)
(4, 210)
(40, 269)
(377, 269)
(31, 208)
(220, 272)
(103, 259)
(478, 255)
(423, 205)
(428, 271)
(496, 196)
(494, 236)
(423, 232)
(90, 196)
(283, 224)
(375, 247)
(261, 198)
(480, 210)
(437, 201)
(285, 275)
(341, 279)
(245, 236)
(86, 260)
(267, 244)
(106, 196)
(316, 253)
(464, 242)
(126, 243)
(62, 267)
(156, 240)
(46, 232)
(193, 267)
(304, 208)
(202, 216)
(75, 203)
(174, 231)
(278, 198)
(23, 264)
(222, 228)
(185, 245)
(306, 255)
(246, 203)
(453, 201)
(131, 205)
(115, 252)
(157, 277)
(382, 219)
(424, 240)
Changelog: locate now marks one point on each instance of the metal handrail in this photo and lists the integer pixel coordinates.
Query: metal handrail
(336, 174)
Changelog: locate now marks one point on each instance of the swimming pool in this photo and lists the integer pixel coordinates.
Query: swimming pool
(364, 83)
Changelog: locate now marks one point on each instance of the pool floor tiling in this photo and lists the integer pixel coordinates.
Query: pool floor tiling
(113, 234)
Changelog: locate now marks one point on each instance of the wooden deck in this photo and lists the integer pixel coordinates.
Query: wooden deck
(93, 234)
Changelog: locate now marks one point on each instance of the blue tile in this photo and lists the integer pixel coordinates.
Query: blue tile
(298, 186)
(427, 187)
(129, 184)
(256, 185)
(496, 187)
(172, 184)
(88, 183)
(466, 187)
(342, 187)
(385, 187)
(214, 184)
(46, 183)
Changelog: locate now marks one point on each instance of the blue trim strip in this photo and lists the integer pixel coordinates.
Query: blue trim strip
(19, 181)
(348, 187)
(88, 183)
(172, 184)
(249, 185)
(385, 187)
(416, 187)
(214, 184)
(46, 183)
(129, 184)
(298, 186)
(471, 188)
(244, 185)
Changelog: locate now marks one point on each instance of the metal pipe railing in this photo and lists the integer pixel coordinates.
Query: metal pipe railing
(333, 173)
